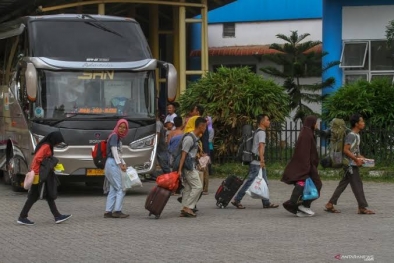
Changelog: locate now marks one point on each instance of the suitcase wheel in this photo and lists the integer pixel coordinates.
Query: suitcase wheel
(150, 214)
(157, 217)
(220, 205)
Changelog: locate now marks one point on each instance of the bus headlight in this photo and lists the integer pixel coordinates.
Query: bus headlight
(38, 138)
(147, 142)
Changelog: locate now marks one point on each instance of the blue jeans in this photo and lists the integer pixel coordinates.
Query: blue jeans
(253, 173)
(116, 193)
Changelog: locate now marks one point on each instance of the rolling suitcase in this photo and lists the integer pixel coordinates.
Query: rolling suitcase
(227, 190)
(157, 200)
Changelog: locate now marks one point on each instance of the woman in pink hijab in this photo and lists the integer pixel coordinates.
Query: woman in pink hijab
(113, 171)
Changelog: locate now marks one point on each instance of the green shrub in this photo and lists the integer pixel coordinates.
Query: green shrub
(234, 97)
(373, 100)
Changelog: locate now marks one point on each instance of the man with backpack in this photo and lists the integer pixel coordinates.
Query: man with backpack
(354, 160)
(187, 168)
(258, 148)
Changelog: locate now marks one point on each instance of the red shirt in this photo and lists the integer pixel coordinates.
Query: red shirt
(43, 152)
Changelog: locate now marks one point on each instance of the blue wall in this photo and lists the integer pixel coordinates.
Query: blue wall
(332, 33)
(266, 10)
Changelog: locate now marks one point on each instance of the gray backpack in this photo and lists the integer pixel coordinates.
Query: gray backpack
(189, 162)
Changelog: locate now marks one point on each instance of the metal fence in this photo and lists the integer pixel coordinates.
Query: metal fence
(376, 143)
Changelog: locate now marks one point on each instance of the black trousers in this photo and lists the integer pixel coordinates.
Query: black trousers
(32, 197)
(356, 184)
(296, 197)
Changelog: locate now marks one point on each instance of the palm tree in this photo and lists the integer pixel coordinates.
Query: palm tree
(299, 59)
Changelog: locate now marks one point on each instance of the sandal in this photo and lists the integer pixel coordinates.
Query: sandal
(271, 206)
(187, 214)
(331, 209)
(237, 205)
(365, 211)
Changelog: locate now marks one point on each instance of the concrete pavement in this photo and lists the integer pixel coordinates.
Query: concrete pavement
(216, 235)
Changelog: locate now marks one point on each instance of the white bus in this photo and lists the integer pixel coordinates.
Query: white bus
(77, 74)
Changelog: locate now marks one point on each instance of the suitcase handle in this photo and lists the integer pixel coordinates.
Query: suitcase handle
(246, 176)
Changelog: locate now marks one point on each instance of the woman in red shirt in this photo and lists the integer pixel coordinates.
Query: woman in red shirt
(44, 149)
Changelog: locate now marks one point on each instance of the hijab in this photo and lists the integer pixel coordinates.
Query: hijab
(305, 159)
(191, 124)
(116, 129)
(52, 139)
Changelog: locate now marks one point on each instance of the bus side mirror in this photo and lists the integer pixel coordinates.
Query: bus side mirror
(31, 82)
(172, 81)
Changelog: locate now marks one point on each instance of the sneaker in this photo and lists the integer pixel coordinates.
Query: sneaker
(62, 218)
(108, 215)
(119, 214)
(302, 214)
(25, 221)
(306, 210)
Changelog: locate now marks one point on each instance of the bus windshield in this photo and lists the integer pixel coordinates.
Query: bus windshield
(91, 94)
(86, 39)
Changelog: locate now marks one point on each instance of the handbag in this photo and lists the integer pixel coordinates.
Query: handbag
(259, 187)
(310, 190)
(204, 161)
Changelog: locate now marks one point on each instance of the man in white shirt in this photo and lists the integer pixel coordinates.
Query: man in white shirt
(170, 117)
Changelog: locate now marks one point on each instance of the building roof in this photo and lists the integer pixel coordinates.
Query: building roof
(11, 9)
(267, 10)
(244, 51)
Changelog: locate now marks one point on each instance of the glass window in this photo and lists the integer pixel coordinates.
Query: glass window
(382, 76)
(355, 77)
(96, 93)
(89, 40)
(382, 58)
(229, 30)
(354, 54)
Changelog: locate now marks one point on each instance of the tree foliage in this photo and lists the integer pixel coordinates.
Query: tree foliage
(374, 100)
(299, 60)
(234, 97)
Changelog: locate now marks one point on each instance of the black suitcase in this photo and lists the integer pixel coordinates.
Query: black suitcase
(227, 190)
(157, 200)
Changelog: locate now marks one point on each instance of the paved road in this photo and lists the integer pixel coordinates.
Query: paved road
(216, 235)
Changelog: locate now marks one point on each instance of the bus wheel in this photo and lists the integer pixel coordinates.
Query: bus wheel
(15, 166)
(17, 188)
(6, 177)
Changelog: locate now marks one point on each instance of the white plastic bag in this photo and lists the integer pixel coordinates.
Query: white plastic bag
(259, 187)
(131, 178)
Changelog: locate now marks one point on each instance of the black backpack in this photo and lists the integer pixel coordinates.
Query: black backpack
(244, 153)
